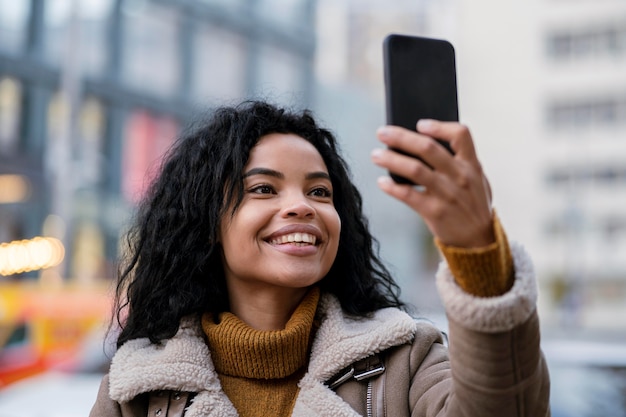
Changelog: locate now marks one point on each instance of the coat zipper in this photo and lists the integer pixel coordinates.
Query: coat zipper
(368, 399)
(372, 369)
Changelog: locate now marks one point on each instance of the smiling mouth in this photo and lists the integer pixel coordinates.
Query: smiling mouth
(298, 239)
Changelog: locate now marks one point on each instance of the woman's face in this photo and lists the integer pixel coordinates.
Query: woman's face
(286, 231)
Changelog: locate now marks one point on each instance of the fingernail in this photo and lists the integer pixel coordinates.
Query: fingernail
(384, 131)
(424, 124)
(376, 153)
(384, 180)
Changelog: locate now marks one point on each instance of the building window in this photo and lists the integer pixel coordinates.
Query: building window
(613, 227)
(608, 175)
(88, 42)
(587, 112)
(590, 42)
(226, 4)
(570, 225)
(10, 107)
(91, 131)
(287, 13)
(219, 65)
(150, 58)
(13, 21)
(279, 75)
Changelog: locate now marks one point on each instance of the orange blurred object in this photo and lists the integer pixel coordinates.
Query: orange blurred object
(44, 327)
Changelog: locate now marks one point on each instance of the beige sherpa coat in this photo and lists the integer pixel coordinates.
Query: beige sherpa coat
(494, 367)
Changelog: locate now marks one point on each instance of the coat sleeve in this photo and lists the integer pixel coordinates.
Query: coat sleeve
(106, 407)
(494, 365)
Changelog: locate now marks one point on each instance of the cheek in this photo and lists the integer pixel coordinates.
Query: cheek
(335, 220)
(338, 227)
(334, 226)
(243, 228)
(229, 235)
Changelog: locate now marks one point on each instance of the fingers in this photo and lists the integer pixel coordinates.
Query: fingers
(455, 197)
(416, 144)
(456, 134)
(432, 183)
(403, 165)
(403, 192)
(427, 149)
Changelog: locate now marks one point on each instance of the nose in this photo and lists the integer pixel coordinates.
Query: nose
(298, 206)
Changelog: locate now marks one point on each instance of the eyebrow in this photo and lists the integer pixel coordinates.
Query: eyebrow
(264, 171)
(317, 174)
(280, 175)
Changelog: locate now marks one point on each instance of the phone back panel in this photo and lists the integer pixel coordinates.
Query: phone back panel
(420, 80)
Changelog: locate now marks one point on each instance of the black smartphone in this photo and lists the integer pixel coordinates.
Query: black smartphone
(420, 83)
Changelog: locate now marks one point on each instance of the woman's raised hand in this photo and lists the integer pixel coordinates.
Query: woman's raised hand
(454, 197)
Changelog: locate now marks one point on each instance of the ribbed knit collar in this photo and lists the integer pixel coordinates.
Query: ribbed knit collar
(241, 351)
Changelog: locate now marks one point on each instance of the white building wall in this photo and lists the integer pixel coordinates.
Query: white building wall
(510, 84)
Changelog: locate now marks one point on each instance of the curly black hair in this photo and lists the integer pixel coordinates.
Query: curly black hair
(172, 265)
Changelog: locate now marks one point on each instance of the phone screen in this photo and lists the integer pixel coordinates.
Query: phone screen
(420, 82)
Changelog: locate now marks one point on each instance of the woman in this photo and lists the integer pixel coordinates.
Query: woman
(252, 286)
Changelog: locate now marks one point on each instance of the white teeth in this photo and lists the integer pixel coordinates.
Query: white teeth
(295, 238)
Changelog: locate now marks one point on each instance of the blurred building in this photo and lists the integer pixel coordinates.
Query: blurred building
(93, 92)
(543, 87)
(584, 163)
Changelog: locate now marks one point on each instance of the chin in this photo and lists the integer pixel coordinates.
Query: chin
(300, 281)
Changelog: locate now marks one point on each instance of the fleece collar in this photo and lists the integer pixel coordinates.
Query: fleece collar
(341, 341)
(183, 363)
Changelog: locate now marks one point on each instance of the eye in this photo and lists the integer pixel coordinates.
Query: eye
(323, 192)
(262, 189)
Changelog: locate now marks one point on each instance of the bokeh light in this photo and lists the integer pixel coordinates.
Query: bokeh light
(30, 255)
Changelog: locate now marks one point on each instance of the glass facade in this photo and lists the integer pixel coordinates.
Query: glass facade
(219, 66)
(10, 108)
(282, 12)
(13, 25)
(279, 74)
(76, 34)
(93, 93)
(150, 58)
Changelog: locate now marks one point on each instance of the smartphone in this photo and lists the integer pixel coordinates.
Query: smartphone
(420, 83)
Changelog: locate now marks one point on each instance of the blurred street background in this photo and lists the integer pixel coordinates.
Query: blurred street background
(92, 92)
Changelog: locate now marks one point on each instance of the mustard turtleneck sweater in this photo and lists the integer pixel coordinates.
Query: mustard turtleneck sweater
(470, 266)
(259, 370)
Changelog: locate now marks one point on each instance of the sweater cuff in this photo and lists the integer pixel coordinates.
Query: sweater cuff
(491, 314)
(483, 272)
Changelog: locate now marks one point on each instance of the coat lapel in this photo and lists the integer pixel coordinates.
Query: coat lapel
(182, 363)
(315, 399)
(341, 340)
